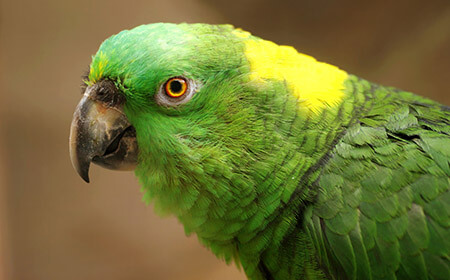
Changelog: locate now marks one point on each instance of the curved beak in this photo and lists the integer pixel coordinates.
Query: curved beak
(101, 133)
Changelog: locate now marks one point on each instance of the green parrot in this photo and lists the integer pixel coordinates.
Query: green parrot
(289, 167)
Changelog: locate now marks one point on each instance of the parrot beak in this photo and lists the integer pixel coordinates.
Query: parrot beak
(100, 131)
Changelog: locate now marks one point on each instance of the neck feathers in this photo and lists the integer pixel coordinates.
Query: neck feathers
(315, 84)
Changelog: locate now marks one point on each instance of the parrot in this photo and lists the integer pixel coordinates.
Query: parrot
(289, 167)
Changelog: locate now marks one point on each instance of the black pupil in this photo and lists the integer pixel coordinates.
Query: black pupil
(176, 86)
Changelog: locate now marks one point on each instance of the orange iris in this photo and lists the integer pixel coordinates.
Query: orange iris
(176, 87)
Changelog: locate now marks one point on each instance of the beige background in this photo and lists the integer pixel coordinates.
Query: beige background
(53, 225)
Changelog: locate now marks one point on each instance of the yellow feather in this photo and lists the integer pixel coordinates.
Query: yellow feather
(315, 84)
(96, 71)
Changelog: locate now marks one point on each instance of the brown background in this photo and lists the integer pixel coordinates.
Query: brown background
(54, 226)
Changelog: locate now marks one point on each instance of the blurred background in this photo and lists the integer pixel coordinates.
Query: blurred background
(55, 226)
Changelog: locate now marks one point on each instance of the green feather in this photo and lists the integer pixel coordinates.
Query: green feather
(356, 190)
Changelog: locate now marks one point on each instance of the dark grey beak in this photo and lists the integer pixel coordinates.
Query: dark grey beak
(100, 131)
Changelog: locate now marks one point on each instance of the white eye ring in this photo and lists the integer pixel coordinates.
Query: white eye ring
(163, 99)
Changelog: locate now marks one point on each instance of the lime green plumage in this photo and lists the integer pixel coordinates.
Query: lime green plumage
(383, 208)
(357, 189)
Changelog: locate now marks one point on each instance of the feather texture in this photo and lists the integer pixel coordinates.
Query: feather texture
(290, 167)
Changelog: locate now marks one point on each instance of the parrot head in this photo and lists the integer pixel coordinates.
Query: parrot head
(203, 114)
(171, 101)
(145, 79)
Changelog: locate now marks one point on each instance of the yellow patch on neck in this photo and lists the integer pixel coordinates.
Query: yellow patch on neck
(315, 84)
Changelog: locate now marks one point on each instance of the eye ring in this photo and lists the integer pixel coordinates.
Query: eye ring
(176, 91)
(176, 87)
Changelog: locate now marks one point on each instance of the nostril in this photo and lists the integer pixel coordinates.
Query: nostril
(107, 93)
(101, 92)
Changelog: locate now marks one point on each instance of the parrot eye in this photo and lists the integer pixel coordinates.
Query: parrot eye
(176, 87)
(176, 91)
